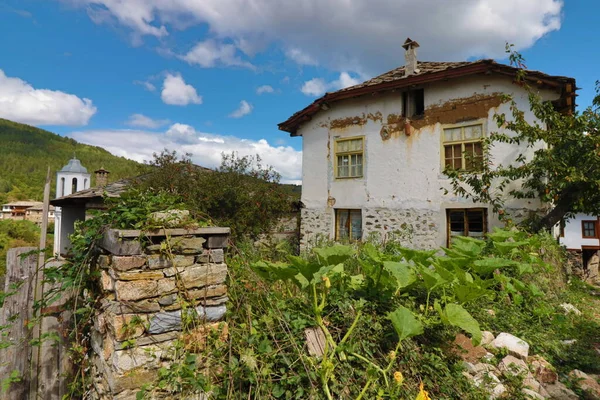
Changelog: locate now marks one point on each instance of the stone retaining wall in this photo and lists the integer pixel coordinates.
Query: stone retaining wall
(144, 288)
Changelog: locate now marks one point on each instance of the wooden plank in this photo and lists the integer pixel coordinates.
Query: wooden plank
(16, 313)
(315, 341)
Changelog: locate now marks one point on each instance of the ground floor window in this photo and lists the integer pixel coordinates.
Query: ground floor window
(348, 224)
(588, 229)
(470, 222)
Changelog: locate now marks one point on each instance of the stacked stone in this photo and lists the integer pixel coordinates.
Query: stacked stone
(150, 294)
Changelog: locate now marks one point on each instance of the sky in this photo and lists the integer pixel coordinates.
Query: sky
(214, 76)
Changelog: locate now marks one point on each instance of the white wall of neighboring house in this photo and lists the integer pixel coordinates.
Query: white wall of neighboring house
(402, 177)
(573, 233)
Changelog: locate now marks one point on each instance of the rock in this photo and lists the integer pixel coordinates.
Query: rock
(570, 308)
(171, 320)
(491, 312)
(544, 393)
(483, 367)
(513, 366)
(137, 275)
(188, 245)
(490, 383)
(588, 384)
(126, 360)
(103, 262)
(136, 290)
(488, 357)
(532, 395)
(470, 368)
(515, 346)
(542, 369)
(170, 218)
(558, 391)
(107, 282)
(199, 275)
(211, 256)
(143, 306)
(465, 349)
(160, 261)
(531, 383)
(487, 337)
(125, 263)
(127, 326)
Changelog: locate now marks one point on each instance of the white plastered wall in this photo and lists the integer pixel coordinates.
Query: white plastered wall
(573, 238)
(403, 174)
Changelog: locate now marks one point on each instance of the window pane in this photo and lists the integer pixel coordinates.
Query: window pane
(343, 222)
(475, 223)
(473, 132)
(356, 224)
(342, 146)
(343, 166)
(355, 144)
(589, 228)
(452, 134)
(457, 222)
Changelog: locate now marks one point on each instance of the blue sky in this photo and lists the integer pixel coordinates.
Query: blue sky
(135, 76)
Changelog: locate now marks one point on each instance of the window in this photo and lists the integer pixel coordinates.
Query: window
(589, 229)
(62, 187)
(349, 158)
(463, 147)
(74, 186)
(348, 224)
(413, 103)
(470, 222)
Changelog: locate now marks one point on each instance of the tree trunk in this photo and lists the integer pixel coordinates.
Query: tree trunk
(563, 206)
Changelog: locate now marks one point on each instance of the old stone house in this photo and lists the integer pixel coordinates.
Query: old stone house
(580, 235)
(374, 154)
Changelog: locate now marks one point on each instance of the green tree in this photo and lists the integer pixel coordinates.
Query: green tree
(242, 193)
(564, 173)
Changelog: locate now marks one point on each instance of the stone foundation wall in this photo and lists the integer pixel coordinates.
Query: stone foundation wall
(144, 289)
(414, 228)
(315, 225)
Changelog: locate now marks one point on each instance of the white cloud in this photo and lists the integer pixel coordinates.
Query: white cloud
(245, 108)
(142, 121)
(177, 92)
(356, 35)
(300, 57)
(206, 148)
(146, 85)
(21, 102)
(317, 86)
(211, 53)
(265, 89)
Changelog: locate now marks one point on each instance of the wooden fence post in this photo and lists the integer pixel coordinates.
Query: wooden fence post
(14, 317)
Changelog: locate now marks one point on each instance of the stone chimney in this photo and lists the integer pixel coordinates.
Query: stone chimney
(410, 57)
(101, 177)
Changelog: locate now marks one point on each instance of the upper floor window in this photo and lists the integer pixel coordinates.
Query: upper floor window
(349, 155)
(463, 147)
(589, 229)
(413, 103)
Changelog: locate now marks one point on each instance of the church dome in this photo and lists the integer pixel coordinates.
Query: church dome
(75, 166)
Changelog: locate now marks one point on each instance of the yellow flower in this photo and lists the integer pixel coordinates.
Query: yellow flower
(327, 282)
(423, 395)
(398, 378)
(392, 355)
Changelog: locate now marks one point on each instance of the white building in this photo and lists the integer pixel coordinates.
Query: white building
(72, 178)
(581, 235)
(374, 153)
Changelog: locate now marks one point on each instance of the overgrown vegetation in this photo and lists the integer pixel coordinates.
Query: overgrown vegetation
(242, 194)
(27, 152)
(16, 234)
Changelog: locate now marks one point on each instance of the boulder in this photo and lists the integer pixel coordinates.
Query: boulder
(487, 337)
(542, 369)
(558, 391)
(530, 394)
(513, 366)
(588, 384)
(170, 218)
(515, 346)
(490, 383)
(570, 309)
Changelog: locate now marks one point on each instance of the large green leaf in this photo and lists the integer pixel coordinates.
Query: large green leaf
(486, 266)
(431, 278)
(274, 271)
(461, 318)
(418, 256)
(466, 247)
(402, 272)
(303, 266)
(328, 271)
(466, 293)
(405, 323)
(333, 255)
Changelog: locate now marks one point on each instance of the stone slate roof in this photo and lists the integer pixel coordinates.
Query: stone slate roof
(74, 166)
(114, 189)
(427, 72)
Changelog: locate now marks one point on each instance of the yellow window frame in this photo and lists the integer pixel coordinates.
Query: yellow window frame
(349, 213)
(462, 142)
(337, 154)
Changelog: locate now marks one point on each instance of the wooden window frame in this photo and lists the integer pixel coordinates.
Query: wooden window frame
(595, 225)
(337, 213)
(466, 222)
(337, 153)
(462, 142)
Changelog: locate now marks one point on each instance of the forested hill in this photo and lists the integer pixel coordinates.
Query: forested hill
(26, 152)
